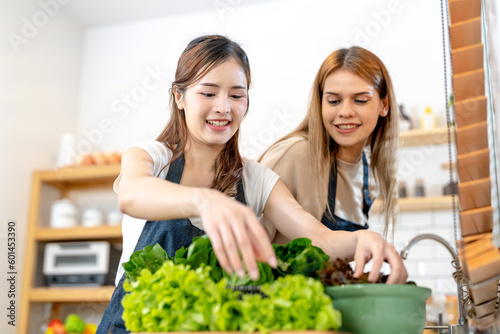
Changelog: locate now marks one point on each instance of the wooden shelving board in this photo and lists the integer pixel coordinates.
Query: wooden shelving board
(71, 295)
(80, 176)
(79, 233)
(425, 137)
(420, 204)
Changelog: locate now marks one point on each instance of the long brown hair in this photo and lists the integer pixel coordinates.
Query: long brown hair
(383, 141)
(200, 56)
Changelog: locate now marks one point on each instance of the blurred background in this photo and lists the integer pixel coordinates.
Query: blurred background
(101, 70)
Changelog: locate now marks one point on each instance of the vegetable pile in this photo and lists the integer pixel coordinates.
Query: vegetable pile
(299, 256)
(340, 272)
(177, 298)
(189, 292)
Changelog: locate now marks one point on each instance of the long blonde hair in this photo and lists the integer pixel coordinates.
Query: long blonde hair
(383, 141)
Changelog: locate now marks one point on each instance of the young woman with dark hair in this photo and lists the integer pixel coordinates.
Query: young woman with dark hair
(192, 180)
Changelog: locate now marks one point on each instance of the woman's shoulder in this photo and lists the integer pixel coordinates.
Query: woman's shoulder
(151, 145)
(157, 150)
(290, 148)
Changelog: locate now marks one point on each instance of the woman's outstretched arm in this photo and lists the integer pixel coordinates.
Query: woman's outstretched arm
(231, 226)
(283, 211)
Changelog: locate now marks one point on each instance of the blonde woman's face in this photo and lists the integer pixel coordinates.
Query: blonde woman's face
(215, 105)
(350, 108)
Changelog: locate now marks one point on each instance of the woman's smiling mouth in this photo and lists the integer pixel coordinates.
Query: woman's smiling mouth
(218, 125)
(346, 126)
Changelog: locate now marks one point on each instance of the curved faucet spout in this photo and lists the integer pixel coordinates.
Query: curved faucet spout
(409, 244)
(455, 262)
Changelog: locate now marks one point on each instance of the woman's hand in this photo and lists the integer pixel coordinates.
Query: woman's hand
(235, 233)
(371, 246)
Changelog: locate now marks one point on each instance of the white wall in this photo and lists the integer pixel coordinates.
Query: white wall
(286, 42)
(39, 86)
(67, 80)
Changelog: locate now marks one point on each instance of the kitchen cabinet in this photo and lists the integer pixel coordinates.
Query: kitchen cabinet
(58, 183)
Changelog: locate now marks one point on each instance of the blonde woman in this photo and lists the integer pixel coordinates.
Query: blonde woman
(192, 180)
(343, 153)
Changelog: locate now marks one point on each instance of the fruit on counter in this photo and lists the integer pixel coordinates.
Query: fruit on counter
(55, 326)
(90, 329)
(74, 324)
(101, 158)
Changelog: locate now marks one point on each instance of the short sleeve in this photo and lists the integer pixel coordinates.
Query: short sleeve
(160, 154)
(258, 182)
(291, 160)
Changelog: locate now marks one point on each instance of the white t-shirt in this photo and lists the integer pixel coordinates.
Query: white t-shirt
(349, 198)
(258, 181)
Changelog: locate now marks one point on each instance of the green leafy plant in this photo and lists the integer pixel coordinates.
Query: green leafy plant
(151, 257)
(178, 298)
(299, 256)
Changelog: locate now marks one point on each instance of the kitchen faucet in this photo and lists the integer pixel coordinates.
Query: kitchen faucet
(462, 326)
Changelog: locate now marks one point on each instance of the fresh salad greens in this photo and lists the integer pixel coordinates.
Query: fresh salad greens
(299, 256)
(294, 302)
(178, 298)
(151, 258)
(174, 298)
(339, 272)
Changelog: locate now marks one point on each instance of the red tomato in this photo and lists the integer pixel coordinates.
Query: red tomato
(57, 326)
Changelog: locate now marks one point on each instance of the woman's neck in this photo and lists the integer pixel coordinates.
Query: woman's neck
(349, 154)
(201, 157)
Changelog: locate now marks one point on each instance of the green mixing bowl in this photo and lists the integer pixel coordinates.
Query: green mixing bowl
(380, 308)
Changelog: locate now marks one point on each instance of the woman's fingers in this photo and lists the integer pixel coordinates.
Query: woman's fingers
(219, 249)
(372, 246)
(262, 244)
(238, 238)
(230, 247)
(246, 249)
(359, 260)
(398, 275)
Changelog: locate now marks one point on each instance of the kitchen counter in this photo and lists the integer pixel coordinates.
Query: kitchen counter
(277, 332)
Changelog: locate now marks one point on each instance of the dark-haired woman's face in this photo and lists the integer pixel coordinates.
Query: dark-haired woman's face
(216, 104)
(350, 108)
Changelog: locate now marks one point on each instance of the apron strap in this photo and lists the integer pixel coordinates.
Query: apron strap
(367, 201)
(176, 168)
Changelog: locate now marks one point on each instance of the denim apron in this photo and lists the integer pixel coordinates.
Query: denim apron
(170, 234)
(340, 224)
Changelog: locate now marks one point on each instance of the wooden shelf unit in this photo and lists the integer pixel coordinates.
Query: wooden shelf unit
(419, 137)
(64, 180)
(71, 295)
(412, 204)
(79, 233)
